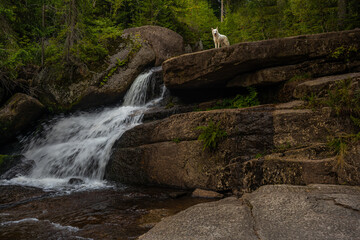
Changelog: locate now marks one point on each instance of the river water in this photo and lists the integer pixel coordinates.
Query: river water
(43, 205)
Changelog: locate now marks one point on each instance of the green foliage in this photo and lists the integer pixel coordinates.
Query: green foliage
(344, 53)
(176, 140)
(246, 101)
(282, 147)
(266, 19)
(82, 33)
(240, 101)
(343, 99)
(313, 101)
(211, 135)
(339, 146)
(169, 105)
(346, 102)
(355, 120)
(298, 78)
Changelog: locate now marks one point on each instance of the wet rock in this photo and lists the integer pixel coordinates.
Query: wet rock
(9, 161)
(22, 168)
(17, 114)
(75, 181)
(104, 214)
(201, 193)
(264, 214)
(216, 68)
(161, 113)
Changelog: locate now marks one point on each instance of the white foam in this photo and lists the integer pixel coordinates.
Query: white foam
(20, 221)
(55, 225)
(79, 145)
(61, 227)
(58, 184)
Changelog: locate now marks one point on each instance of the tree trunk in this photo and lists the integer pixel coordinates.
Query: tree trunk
(341, 13)
(42, 36)
(222, 11)
(71, 32)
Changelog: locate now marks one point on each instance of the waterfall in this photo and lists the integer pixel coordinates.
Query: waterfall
(80, 145)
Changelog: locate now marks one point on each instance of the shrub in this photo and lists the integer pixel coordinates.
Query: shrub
(239, 101)
(211, 135)
(343, 99)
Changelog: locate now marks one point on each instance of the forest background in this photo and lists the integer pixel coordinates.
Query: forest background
(82, 33)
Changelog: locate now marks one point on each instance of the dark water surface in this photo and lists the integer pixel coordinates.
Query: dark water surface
(123, 213)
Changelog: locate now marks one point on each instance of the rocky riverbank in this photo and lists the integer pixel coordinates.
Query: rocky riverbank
(298, 125)
(113, 213)
(323, 212)
(275, 143)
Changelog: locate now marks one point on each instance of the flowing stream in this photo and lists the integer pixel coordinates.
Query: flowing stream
(79, 146)
(43, 205)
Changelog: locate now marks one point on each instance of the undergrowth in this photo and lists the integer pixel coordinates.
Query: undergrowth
(240, 101)
(345, 102)
(211, 135)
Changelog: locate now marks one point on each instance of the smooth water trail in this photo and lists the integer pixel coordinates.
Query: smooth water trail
(80, 145)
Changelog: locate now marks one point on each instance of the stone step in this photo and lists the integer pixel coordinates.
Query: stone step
(287, 168)
(320, 86)
(168, 152)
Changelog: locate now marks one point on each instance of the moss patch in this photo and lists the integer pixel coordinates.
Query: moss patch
(136, 45)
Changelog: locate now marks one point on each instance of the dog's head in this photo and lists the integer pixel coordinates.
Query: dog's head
(215, 31)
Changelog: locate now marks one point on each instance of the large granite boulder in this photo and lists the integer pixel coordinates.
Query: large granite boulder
(164, 42)
(167, 152)
(139, 49)
(264, 62)
(322, 212)
(17, 114)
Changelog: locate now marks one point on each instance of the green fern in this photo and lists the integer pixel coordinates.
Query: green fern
(211, 135)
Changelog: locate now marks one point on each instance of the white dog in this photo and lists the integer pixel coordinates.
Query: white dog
(219, 39)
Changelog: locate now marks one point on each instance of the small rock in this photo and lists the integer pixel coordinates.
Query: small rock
(200, 193)
(75, 181)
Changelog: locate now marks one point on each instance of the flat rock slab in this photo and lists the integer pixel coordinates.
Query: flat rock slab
(272, 212)
(167, 152)
(320, 86)
(216, 68)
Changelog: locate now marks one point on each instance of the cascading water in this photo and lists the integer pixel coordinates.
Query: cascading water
(80, 145)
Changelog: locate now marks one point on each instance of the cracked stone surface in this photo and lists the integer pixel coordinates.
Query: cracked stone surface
(271, 212)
